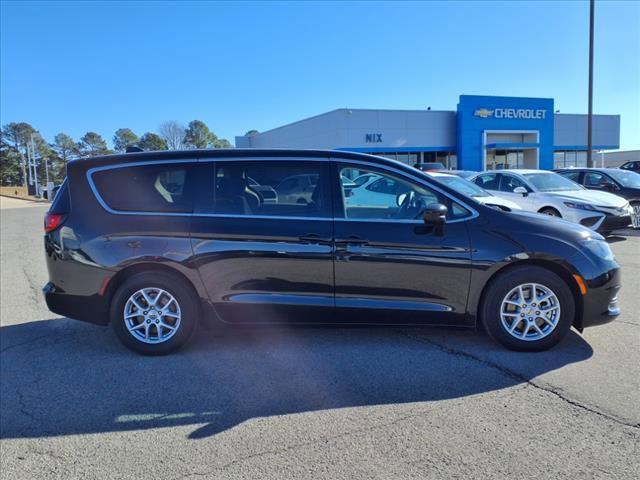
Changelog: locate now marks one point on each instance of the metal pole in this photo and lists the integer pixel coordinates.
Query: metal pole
(35, 166)
(30, 164)
(590, 114)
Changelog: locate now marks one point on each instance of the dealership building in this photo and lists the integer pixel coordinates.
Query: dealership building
(482, 133)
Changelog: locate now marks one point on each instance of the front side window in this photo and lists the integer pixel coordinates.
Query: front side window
(573, 176)
(386, 196)
(271, 188)
(488, 181)
(595, 179)
(159, 187)
(509, 183)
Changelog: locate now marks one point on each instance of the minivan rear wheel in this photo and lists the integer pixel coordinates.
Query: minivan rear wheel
(528, 309)
(153, 313)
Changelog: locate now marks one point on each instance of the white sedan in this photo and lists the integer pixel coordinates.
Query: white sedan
(470, 189)
(374, 190)
(551, 194)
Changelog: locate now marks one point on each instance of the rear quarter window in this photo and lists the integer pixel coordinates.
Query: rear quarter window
(62, 201)
(146, 188)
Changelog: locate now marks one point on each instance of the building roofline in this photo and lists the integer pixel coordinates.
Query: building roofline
(346, 109)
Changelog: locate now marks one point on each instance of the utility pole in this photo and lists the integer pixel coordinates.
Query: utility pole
(590, 114)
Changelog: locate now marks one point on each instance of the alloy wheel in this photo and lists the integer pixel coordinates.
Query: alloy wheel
(152, 315)
(530, 312)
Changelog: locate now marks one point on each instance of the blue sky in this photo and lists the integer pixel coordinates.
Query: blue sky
(73, 66)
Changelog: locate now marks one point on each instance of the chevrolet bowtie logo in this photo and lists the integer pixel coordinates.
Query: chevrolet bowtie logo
(483, 113)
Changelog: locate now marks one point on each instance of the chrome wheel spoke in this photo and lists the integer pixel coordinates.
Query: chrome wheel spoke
(166, 325)
(514, 325)
(511, 302)
(537, 328)
(136, 304)
(147, 298)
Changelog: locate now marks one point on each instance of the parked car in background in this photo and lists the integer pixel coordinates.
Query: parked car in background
(429, 166)
(122, 248)
(633, 166)
(470, 189)
(463, 173)
(549, 193)
(624, 183)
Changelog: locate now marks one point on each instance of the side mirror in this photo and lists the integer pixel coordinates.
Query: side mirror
(435, 214)
(521, 190)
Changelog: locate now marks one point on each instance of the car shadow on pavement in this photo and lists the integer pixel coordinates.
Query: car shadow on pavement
(62, 377)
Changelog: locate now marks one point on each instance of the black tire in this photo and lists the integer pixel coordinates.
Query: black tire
(550, 211)
(498, 289)
(175, 286)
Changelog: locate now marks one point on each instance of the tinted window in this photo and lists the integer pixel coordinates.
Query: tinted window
(271, 188)
(388, 196)
(573, 176)
(61, 202)
(627, 179)
(146, 188)
(509, 183)
(596, 179)
(462, 186)
(488, 181)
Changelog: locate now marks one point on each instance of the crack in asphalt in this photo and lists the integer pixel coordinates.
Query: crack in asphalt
(520, 378)
(33, 287)
(628, 323)
(27, 342)
(296, 446)
(23, 406)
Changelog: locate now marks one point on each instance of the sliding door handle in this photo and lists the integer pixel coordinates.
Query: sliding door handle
(352, 240)
(314, 238)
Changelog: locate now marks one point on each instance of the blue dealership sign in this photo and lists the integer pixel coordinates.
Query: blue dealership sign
(481, 117)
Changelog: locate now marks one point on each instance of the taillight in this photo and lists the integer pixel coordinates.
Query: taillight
(52, 221)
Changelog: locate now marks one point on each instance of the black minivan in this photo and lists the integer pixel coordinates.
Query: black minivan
(155, 243)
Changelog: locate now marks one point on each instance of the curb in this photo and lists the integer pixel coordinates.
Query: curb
(28, 199)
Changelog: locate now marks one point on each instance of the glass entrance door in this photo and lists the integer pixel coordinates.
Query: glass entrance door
(503, 159)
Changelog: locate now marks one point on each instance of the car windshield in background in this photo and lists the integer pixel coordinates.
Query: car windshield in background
(551, 182)
(626, 179)
(463, 186)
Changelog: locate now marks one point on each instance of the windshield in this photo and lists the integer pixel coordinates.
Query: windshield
(626, 179)
(550, 182)
(463, 186)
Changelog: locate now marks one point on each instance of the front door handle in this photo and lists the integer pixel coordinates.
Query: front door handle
(352, 240)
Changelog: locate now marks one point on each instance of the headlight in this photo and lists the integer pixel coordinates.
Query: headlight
(598, 247)
(581, 206)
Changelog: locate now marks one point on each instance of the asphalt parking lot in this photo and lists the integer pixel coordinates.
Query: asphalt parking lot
(352, 403)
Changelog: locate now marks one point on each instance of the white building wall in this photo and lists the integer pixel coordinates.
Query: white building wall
(349, 128)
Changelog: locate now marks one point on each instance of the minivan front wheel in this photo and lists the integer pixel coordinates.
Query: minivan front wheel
(528, 309)
(153, 313)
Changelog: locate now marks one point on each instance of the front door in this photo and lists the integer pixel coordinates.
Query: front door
(389, 266)
(264, 249)
(508, 183)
